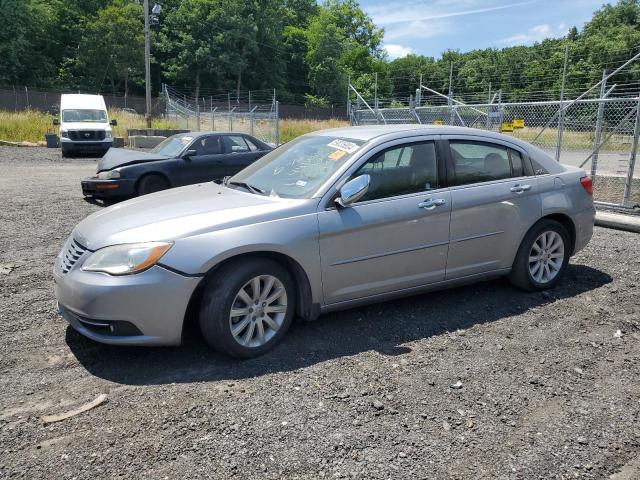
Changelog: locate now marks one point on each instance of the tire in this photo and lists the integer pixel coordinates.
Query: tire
(543, 273)
(151, 183)
(223, 293)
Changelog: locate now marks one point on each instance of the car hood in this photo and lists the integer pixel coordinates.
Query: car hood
(181, 212)
(118, 157)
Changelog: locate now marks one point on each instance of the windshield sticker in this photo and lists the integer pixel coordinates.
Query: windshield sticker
(301, 183)
(185, 140)
(337, 154)
(343, 145)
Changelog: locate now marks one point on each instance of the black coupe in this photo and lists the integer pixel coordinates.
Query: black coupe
(182, 159)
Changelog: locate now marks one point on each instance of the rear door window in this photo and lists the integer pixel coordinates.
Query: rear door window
(235, 143)
(476, 162)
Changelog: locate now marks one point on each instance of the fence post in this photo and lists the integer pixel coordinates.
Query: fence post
(632, 158)
(277, 123)
(561, 112)
(598, 134)
(450, 99)
(197, 115)
(251, 120)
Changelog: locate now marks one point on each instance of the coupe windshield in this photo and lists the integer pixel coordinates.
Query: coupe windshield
(172, 146)
(82, 115)
(298, 168)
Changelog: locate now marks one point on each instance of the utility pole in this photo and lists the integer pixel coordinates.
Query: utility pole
(147, 63)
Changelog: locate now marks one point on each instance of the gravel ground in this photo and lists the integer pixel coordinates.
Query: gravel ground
(482, 381)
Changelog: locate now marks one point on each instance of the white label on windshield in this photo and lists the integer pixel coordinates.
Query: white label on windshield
(343, 145)
(185, 140)
(301, 183)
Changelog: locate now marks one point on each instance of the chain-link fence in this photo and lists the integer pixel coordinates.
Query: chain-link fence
(259, 120)
(599, 134)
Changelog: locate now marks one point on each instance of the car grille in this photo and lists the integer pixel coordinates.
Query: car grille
(86, 135)
(71, 255)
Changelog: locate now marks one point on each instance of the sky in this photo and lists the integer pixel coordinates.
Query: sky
(429, 27)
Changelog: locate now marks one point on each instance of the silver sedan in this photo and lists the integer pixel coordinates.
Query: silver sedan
(333, 219)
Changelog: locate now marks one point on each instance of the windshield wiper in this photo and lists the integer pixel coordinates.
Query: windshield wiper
(251, 188)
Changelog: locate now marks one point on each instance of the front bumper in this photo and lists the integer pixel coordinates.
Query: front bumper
(95, 187)
(69, 146)
(147, 308)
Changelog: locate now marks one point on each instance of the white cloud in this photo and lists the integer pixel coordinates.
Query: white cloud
(417, 29)
(397, 51)
(536, 33)
(405, 12)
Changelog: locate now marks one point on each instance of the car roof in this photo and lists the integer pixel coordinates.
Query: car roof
(369, 132)
(210, 132)
(382, 133)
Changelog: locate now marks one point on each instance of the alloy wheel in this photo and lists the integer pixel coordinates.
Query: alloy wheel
(258, 311)
(546, 257)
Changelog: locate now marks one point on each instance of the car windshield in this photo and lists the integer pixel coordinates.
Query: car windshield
(84, 115)
(172, 146)
(298, 168)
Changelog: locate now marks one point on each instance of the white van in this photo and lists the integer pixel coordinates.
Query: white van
(84, 124)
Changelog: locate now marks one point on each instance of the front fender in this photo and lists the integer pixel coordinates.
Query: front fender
(294, 237)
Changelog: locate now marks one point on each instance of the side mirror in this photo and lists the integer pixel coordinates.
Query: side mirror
(56, 121)
(353, 190)
(189, 153)
(114, 122)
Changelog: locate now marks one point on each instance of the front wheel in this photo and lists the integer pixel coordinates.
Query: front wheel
(542, 257)
(152, 183)
(247, 307)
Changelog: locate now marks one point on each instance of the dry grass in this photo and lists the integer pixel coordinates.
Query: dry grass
(31, 125)
(290, 128)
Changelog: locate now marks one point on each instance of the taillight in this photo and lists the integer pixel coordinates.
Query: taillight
(587, 184)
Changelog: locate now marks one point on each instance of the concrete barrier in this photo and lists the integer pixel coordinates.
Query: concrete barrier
(144, 141)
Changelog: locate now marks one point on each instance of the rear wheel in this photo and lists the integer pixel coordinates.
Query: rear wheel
(542, 257)
(152, 183)
(247, 308)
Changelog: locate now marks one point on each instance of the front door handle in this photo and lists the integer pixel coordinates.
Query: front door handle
(431, 203)
(520, 188)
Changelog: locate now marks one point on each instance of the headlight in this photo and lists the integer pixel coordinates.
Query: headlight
(64, 134)
(110, 175)
(126, 258)
(107, 134)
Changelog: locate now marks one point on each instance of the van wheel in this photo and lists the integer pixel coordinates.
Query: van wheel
(152, 183)
(247, 307)
(542, 257)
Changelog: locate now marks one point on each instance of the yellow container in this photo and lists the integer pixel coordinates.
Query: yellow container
(506, 127)
(437, 122)
(518, 123)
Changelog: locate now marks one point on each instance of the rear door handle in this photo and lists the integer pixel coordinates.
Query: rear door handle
(431, 203)
(520, 188)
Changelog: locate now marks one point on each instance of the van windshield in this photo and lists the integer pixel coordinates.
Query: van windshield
(84, 115)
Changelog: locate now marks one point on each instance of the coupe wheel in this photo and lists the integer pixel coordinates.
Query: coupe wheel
(542, 257)
(247, 307)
